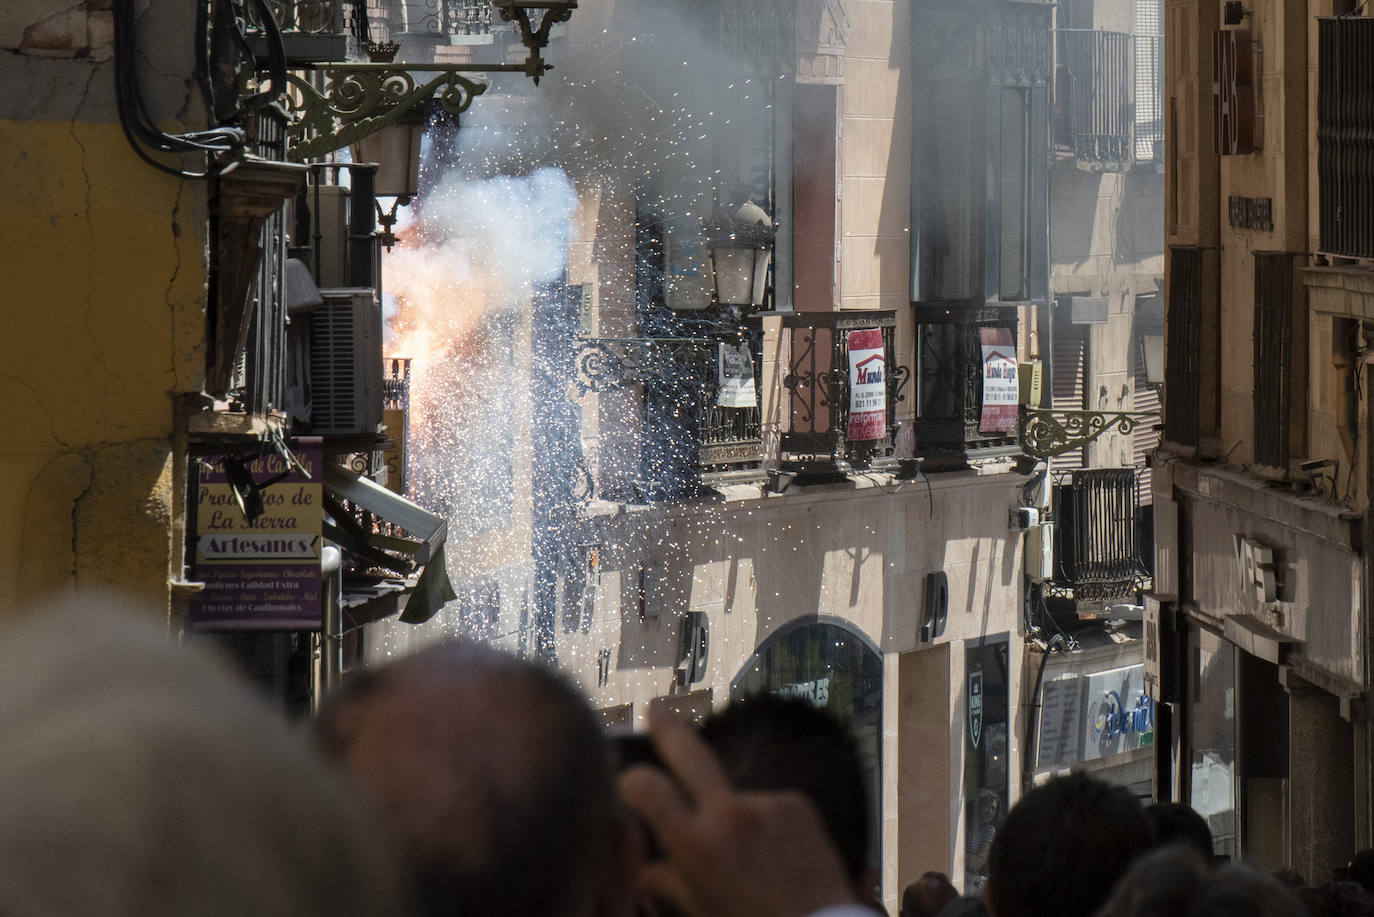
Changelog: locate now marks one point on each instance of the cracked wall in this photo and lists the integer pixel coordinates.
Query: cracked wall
(104, 271)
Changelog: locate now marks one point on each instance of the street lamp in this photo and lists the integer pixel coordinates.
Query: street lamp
(741, 252)
(396, 151)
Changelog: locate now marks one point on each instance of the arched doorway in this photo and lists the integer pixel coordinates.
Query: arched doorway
(828, 662)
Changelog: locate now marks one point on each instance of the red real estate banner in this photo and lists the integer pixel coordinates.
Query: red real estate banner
(867, 385)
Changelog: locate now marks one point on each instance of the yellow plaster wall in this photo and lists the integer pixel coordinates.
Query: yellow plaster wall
(104, 271)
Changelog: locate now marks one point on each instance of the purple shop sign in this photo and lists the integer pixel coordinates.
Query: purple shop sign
(263, 575)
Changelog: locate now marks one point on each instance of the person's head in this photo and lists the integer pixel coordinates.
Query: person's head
(768, 742)
(1241, 890)
(1360, 870)
(1336, 899)
(1062, 847)
(1179, 823)
(145, 780)
(928, 895)
(493, 774)
(1166, 882)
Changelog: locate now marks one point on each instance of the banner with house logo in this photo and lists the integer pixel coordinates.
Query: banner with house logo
(867, 385)
(264, 574)
(1000, 391)
(735, 382)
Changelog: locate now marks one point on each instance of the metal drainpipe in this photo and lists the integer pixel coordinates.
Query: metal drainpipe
(331, 637)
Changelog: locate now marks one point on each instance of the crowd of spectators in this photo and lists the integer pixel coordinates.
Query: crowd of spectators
(143, 779)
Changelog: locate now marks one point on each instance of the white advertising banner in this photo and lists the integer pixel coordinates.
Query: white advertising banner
(735, 388)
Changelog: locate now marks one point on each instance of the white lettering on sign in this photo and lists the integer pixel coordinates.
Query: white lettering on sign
(817, 692)
(1258, 571)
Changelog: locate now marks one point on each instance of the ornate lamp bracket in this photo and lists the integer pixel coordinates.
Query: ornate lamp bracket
(606, 364)
(360, 99)
(1044, 433)
(535, 38)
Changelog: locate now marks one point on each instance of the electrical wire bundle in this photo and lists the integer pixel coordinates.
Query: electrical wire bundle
(222, 144)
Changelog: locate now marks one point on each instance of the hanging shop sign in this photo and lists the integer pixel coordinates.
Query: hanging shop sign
(1000, 389)
(867, 385)
(262, 574)
(735, 388)
(1233, 90)
(1120, 715)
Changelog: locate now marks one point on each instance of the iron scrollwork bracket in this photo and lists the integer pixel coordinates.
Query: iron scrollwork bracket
(1045, 433)
(535, 38)
(605, 364)
(360, 99)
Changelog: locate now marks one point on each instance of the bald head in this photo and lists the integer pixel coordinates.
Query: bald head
(492, 773)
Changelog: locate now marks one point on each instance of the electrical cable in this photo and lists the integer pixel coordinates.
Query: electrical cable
(216, 143)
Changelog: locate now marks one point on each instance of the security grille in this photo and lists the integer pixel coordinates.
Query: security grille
(261, 374)
(1345, 135)
(1273, 357)
(1183, 339)
(1104, 563)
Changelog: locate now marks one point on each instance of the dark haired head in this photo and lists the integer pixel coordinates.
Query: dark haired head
(1179, 823)
(1336, 899)
(1062, 848)
(491, 772)
(767, 742)
(1166, 882)
(1241, 890)
(1361, 870)
(928, 895)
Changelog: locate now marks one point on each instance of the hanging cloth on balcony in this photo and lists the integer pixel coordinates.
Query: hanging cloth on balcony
(1000, 390)
(735, 387)
(867, 385)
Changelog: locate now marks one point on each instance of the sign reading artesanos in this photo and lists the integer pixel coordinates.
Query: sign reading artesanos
(264, 574)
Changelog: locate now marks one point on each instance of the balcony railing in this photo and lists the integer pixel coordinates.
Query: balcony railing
(1098, 555)
(313, 30)
(949, 384)
(688, 435)
(1099, 104)
(817, 390)
(1149, 98)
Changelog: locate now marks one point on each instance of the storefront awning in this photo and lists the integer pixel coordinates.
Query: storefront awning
(416, 540)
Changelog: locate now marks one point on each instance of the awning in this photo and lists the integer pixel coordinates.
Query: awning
(415, 544)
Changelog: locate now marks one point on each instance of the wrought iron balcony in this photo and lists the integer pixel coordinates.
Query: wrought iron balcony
(1097, 541)
(312, 31)
(949, 384)
(1098, 65)
(689, 435)
(820, 438)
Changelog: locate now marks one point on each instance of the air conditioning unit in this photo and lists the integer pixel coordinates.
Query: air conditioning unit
(1040, 552)
(1022, 518)
(330, 206)
(346, 364)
